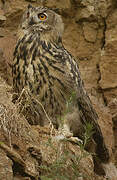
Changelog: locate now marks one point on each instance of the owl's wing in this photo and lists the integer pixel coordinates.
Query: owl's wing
(86, 109)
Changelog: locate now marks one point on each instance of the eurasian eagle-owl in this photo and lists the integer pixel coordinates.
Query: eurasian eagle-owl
(43, 66)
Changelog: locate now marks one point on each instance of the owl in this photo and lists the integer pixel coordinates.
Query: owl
(51, 77)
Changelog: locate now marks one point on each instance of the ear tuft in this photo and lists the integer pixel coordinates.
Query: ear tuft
(30, 6)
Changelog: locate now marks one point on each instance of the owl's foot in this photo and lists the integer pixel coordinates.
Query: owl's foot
(65, 134)
(75, 140)
(61, 137)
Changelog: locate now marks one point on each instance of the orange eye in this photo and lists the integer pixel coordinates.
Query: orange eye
(42, 16)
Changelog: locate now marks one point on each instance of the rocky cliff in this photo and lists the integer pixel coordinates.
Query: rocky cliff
(90, 35)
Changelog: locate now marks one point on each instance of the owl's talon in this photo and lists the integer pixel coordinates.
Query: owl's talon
(75, 140)
(65, 132)
(61, 137)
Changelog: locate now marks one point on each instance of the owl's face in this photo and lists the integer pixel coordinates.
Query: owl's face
(42, 19)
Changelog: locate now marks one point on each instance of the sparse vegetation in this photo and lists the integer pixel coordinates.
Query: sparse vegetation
(65, 164)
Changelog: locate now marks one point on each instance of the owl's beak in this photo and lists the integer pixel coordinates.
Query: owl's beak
(31, 22)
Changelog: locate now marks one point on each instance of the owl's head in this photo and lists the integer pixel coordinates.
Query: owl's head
(42, 20)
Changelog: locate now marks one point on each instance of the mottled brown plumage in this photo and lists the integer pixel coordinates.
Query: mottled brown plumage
(51, 75)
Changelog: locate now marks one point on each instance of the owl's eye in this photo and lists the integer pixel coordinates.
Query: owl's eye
(42, 16)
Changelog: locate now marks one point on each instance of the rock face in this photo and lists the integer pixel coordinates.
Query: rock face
(90, 35)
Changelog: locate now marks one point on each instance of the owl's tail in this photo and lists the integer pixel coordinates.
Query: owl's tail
(88, 114)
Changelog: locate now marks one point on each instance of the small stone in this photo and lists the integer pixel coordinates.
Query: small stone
(90, 31)
(85, 13)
